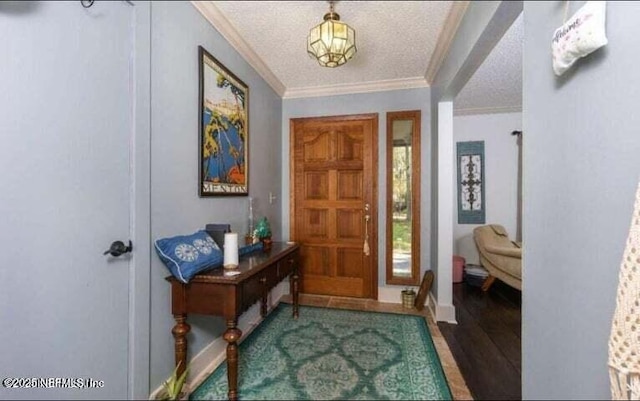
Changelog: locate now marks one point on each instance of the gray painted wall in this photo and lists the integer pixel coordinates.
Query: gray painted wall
(377, 102)
(501, 169)
(581, 168)
(177, 30)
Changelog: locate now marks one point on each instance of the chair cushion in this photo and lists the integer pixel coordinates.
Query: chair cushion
(499, 230)
(509, 251)
(187, 255)
(498, 254)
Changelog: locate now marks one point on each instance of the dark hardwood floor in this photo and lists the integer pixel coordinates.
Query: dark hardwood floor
(486, 341)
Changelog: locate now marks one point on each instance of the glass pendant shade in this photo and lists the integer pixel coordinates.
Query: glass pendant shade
(332, 42)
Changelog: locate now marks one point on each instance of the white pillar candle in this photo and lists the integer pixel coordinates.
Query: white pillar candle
(230, 250)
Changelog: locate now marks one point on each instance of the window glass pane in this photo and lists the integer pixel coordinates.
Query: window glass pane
(403, 198)
(401, 179)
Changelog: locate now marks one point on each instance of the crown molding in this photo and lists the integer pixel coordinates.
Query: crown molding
(487, 110)
(361, 87)
(215, 17)
(445, 38)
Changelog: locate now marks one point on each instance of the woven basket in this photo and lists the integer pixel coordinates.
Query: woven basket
(408, 299)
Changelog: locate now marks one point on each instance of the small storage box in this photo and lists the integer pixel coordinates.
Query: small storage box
(475, 275)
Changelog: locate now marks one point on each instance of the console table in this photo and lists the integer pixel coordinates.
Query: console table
(217, 293)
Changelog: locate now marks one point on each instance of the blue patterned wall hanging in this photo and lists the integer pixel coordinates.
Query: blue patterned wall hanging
(471, 177)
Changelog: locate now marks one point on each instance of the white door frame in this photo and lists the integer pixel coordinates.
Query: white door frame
(140, 265)
(481, 28)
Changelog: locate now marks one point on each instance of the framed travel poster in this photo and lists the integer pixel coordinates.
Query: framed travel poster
(224, 130)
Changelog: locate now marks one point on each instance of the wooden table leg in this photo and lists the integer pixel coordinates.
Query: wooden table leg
(265, 294)
(180, 331)
(263, 305)
(231, 336)
(294, 288)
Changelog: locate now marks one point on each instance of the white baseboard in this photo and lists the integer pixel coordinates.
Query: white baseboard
(211, 356)
(441, 313)
(392, 294)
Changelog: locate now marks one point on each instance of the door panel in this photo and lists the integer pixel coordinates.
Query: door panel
(350, 225)
(317, 185)
(349, 263)
(317, 147)
(334, 174)
(315, 224)
(66, 127)
(316, 260)
(350, 185)
(350, 145)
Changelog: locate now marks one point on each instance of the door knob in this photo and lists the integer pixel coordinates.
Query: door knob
(118, 248)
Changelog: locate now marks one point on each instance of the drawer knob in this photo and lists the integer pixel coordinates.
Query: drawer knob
(263, 280)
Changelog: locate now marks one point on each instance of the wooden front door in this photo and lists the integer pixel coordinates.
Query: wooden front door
(334, 176)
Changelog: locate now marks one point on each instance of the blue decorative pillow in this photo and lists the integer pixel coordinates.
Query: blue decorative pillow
(187, 255)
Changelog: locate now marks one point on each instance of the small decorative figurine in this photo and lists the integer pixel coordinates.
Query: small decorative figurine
(263, 233)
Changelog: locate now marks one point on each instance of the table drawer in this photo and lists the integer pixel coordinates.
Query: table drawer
(257, 286)
(286, 265)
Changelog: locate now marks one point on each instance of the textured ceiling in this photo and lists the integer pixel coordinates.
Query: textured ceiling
(395, 39)
(497, 84)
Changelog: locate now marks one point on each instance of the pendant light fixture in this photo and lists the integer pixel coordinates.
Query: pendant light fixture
(332, 42)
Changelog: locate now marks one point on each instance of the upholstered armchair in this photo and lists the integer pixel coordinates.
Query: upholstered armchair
(500, 256)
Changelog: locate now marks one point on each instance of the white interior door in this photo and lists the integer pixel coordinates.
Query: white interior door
(66, 124)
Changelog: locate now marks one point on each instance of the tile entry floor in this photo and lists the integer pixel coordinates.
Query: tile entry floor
(458, 387)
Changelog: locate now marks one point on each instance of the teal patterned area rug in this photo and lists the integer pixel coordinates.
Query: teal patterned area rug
(333, 354)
